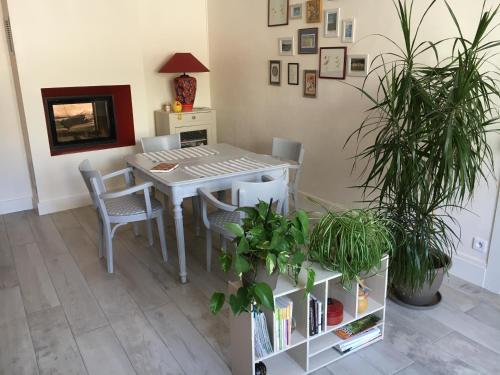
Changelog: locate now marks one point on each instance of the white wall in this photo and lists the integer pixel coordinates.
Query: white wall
(15, 188)
(251, 112)
(86, 43)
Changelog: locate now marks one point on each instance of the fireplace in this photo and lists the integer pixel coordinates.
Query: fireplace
(88, 118)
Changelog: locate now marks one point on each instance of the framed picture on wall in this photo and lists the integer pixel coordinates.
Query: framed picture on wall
(332, 23)
(358, 65)
(275, 72)
(286, 46)
(348, 30)
(293, 74)
(332, 62)
(314, 9)
(277, 12)
(310, 83)
(308, 40)
(295, 11)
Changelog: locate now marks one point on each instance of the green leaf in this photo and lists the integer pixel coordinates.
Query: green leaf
(311, 275)
(236, 229)
(282, 261)
(236, 304)
(251, 212)
(298, 258)
(225, 260)
(243, 246)
(265, 295)
(241, 265)
(304, 221)
(216, 302)
(270, 263)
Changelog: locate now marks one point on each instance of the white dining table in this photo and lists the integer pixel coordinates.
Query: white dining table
(214, 167)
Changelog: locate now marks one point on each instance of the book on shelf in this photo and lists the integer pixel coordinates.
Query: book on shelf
(163, 167)
(357, 327)
(262, 343)
(358, 340)
(283, 315)
(316, 316)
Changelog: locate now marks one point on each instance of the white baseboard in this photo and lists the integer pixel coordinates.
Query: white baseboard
(16, 205)
(61, 204)
(469, 269)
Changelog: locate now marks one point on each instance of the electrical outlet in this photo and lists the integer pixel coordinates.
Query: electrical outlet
(480, 245)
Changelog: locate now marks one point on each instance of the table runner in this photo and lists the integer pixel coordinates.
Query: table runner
(225, 167)
(179, 154)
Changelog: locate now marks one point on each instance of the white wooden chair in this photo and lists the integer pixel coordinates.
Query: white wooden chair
(171, 142)
(243, 194)
(290, 150)
(122, 207)
(160, 143)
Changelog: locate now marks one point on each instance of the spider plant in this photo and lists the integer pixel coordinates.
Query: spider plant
(351, 242)
(430, 123)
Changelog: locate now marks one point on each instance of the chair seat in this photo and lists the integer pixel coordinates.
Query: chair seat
(219, 219)
(130, 205)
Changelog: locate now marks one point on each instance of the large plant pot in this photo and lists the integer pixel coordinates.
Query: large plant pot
(427, 295)
(261, 276)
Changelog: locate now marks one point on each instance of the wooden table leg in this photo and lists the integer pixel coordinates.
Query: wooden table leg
(179, 231)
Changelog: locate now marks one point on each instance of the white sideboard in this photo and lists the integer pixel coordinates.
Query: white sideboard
(196, 128)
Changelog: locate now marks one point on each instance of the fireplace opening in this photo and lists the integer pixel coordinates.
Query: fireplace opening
(88, 118)
(85, 120)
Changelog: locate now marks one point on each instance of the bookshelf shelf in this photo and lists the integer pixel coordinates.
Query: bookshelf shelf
(307, 353)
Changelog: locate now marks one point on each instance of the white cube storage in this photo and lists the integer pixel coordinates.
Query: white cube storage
(307, 353)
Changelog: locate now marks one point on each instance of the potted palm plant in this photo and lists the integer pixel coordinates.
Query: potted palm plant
(267, 245)
(430, 150)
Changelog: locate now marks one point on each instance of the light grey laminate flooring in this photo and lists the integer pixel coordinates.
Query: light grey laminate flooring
(61, 313)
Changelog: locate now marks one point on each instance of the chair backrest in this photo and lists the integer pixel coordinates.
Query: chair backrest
(288, 150)
(161, 143)
(93, 180)
(248, 194)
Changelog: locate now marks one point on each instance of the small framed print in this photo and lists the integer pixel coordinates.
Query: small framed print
(348, 30)
(293, 74)
(295, 11)
(275, 72)
(358, 65)
(277, 12)
(308, 40)
(286, 46)
(332, 23)
(313, 11)
(310, 83)
(332, 62)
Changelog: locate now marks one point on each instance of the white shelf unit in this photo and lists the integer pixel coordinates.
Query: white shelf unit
(307, 353)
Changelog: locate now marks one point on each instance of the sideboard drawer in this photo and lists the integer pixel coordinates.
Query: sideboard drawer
(190, 118)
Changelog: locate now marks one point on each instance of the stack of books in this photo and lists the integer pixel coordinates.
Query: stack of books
(283, 314)
(262, 342)
(358, 340)
(316, 316)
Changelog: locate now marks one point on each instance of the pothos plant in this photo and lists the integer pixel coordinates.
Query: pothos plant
(265, 239)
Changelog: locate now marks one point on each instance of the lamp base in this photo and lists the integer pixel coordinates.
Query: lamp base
(185, 90)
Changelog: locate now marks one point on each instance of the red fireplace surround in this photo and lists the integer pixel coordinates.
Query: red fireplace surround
(88, 131)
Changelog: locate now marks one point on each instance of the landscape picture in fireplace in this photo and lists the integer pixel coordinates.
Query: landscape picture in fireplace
(81, 120)
(88, 118)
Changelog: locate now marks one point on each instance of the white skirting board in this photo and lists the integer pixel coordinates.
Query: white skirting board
(16, 205)
(62, 204)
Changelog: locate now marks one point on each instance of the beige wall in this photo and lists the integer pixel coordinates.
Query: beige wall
(250, 112)
(84, 43)
(15, 189)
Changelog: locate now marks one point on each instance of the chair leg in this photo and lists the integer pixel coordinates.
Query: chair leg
(135, 227)
(161, 233)
(209, 249)
(100, 234)
(109, 249)
(195, 201)
(150, 232)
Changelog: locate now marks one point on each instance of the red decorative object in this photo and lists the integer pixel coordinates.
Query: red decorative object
(335, 312)
(120, 125)
(185, 86)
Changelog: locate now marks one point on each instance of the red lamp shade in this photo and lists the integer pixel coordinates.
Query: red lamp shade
(185, 86)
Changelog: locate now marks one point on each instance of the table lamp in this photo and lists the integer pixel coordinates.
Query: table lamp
(185, 86)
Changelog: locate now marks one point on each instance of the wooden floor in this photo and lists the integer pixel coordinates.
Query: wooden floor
(61, 313)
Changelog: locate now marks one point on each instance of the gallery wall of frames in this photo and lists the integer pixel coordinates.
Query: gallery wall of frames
(334, 59)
